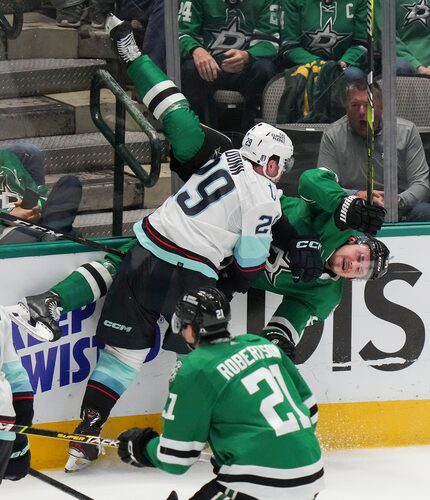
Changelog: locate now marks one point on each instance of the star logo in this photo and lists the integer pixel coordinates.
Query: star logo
(276, 264)
(326, 39)
(230, 37)
(417, 12)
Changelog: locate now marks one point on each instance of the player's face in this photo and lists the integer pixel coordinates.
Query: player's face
(351, 261)
(356, 109)
(273, 170)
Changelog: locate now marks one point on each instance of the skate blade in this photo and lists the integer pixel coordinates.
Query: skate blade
(76, 461)
(18, 314)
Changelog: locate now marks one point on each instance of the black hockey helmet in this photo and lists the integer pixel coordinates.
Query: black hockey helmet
(207, 310)
(379, 257)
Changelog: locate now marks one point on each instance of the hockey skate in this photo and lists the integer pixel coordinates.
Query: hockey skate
(80, 455)
(38, 315)
(121, 34)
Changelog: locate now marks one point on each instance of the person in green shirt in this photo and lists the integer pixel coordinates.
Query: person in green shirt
(227, 44)
(21, 169)
(323, 30)
(244, 397)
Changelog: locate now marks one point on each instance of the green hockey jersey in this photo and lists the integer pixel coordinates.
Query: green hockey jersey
(248, 401)
(220, 25)
(14, 179)
(323, 30)
(412, 31)
(304, 303)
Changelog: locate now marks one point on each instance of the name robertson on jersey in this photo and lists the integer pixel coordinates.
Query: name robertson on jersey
(246, 357)
(234, 161)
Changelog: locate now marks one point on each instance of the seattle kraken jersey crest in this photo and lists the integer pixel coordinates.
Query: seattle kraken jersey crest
(325, 39)
(417, 12)
(229, 37)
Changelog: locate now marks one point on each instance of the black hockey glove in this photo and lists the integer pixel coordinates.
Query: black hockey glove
(132, 445)
(305, 258)
(19, 462)
(283, 341)
(354, 213)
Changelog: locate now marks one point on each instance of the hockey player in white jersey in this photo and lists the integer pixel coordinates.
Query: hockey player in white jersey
(16, 406)
(223, 213)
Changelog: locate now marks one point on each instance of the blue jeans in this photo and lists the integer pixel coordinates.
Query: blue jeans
(250, 83)
(404, 67)
(150, 13)
(418, 213)
(352, 74)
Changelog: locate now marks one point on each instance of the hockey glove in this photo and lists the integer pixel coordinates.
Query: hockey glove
(305, 258)
(19, 462)
(354, 213)
(283, 341)
(132, 445)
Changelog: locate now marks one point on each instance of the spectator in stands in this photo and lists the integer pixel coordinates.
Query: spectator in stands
(413, 37)
(71, 13)
(230, 45)
(324, 31)
(151, 14)
(21, 168)
(343, 149)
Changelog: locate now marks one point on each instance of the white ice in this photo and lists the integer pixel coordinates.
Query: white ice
(371, 474)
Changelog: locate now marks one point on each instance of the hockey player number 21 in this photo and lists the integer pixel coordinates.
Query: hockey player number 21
(272, 376)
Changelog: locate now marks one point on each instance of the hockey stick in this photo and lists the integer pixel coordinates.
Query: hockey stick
(370, 102)
(65, 436)
(57, 484)
(12, 220)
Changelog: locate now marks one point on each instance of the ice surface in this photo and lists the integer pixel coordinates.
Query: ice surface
(371, 474)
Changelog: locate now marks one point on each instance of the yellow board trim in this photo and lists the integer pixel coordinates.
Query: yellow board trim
(374, 424)
(340, 426)
(52, 453)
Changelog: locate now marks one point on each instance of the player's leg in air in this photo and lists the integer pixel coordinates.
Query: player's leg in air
(192, 145)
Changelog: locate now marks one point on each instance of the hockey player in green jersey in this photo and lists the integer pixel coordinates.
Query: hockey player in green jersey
(324, 30)
(346, 254)
(245, 398)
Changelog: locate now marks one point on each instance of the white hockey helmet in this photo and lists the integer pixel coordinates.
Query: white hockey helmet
(262, 142)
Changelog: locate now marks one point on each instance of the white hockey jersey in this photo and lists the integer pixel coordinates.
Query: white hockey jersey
(226, 209)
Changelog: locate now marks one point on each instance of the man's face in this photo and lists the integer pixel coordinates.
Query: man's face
(356, 110)
(350, 261)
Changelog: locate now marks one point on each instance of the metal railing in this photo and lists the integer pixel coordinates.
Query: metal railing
(104, 80)
(11, 31)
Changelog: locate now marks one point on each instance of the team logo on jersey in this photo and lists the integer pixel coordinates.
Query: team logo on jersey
(175, 371)
(230, 37)
(417, 12)
(326, 39)
(276, 264)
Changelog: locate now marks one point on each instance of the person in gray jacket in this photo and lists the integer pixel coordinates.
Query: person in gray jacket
(343, 149)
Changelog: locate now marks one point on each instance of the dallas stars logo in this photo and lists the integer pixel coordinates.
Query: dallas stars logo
(419, 12)
(276, 264)
(230, 37)
(326, 39)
